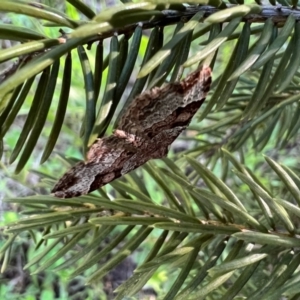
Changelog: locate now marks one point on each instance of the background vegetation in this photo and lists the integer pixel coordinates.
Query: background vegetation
(218, 218)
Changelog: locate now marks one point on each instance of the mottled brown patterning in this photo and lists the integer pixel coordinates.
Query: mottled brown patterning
(147, 128)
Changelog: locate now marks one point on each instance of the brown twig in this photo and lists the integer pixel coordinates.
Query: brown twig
(278, 14)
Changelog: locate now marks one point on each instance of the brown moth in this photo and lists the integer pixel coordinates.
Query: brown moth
(151, 123)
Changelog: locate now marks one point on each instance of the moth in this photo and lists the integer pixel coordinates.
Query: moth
(150, 124)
